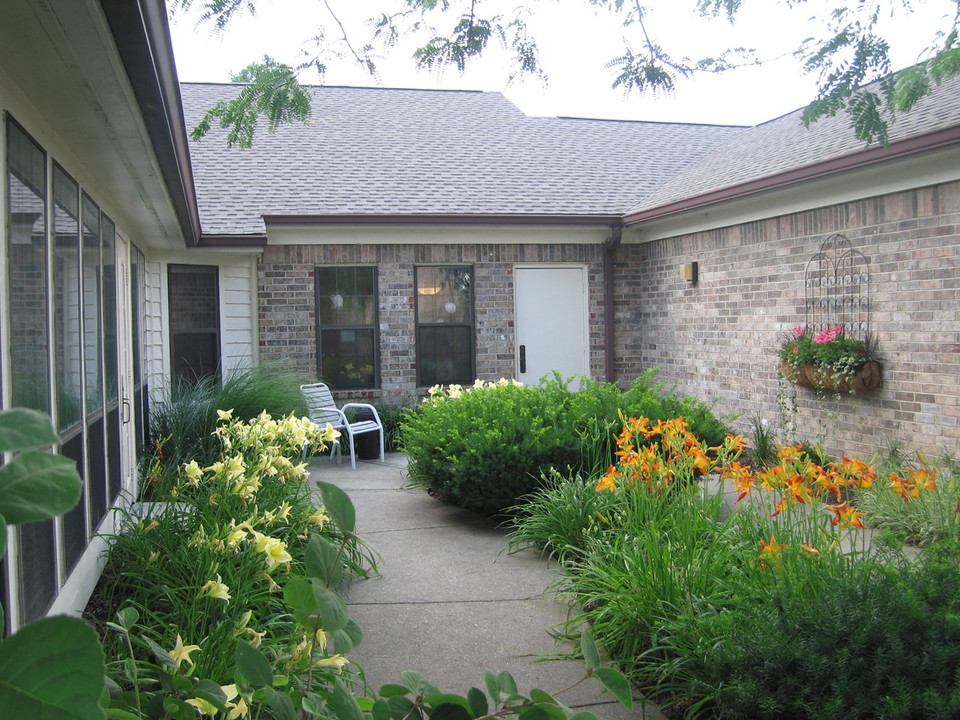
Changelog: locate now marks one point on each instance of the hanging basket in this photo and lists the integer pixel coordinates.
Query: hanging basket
(865, 379)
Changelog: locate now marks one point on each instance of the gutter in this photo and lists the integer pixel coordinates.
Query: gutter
(438, 219)
(140, 30)
(609, 331)
(911, 146)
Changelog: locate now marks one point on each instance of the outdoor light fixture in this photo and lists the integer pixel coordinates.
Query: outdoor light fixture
(336, 301)
(688, 272)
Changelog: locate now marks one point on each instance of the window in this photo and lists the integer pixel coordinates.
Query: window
(445, 335)
(346, 326)
(194, 322)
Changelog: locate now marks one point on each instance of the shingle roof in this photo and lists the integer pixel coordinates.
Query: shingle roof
(784, 145)
(372, 151)
(379, 151)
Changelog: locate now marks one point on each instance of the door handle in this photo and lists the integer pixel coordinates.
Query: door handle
(523, 359)
(125, 411)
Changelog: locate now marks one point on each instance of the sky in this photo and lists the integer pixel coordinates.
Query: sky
(575, 41)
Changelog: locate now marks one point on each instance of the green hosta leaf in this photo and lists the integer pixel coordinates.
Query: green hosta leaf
(322, 561)
(589, 648)
(25, 429)
(416, 682)
(450, 711)
(344, 704)
(36, 486)
(478, 701)
(616, 684)
(339, 507)
(253, 665)
(52, 669)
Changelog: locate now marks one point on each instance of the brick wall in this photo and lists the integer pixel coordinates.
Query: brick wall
(718, 339)
(287, 306)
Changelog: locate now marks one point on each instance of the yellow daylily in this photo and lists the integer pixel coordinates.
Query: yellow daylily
(335, 661)
(181, 652)
(205, 707)
(193, 472)
(216, 589)
(236, 709)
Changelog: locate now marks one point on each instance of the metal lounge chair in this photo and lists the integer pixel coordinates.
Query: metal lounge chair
(322, 409)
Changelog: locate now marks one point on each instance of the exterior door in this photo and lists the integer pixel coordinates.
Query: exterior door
(551, 312)
(125, 308)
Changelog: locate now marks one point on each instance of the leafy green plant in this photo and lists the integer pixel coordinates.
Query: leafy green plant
(36, 485)
(182, 426)
(485, 447)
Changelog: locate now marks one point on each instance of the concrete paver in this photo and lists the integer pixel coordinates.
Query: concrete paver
(450, 601)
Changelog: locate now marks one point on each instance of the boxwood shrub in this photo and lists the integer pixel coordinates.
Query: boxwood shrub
(484, 447)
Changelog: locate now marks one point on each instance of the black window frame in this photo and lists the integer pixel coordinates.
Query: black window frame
(324, 294)
(469, 325)
(212, 333)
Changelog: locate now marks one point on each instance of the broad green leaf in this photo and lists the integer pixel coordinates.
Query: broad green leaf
(334, 614)
(381, 710)
(162, 656)
(281, 704)
(400, 707)
(391, 690)
(25, 429)
(540, 696)
(493, 686)
(36, 486)
(253, 665)
(584, 716)
(416, 682)
(52, 669)
(339, 507)
(343, 703)
(211, 692)
(117, 714)
(450, 711)
(128, 617)
(438, 699)
(478, 701)
(348, 638)
(299, 596)
(617, 685)
(591, 655)
(550, 710)
(539, 712)
(3, 550)
(322, 561)
(507, 683)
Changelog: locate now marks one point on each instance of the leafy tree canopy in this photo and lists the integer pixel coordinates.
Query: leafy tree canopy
(851, 59)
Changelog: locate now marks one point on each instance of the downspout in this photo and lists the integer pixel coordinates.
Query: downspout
(609, 335)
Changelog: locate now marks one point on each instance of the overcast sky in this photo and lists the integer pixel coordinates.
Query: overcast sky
(575, 43)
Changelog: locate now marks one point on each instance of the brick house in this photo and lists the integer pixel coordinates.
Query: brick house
(406, 237)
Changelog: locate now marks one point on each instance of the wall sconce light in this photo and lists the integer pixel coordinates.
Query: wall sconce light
(689, 272)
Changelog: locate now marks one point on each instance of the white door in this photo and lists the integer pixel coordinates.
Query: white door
(551, 312)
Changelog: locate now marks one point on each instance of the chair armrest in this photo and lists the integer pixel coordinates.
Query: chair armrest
(364, 406)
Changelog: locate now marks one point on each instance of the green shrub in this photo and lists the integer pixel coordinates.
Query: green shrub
(485, 447)
(874, 642)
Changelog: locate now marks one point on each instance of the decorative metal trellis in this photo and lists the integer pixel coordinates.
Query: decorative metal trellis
(837, 289)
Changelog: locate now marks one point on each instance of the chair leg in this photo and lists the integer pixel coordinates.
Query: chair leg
(353, 452)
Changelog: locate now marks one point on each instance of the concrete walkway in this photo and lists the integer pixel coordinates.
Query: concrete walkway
(449, 601)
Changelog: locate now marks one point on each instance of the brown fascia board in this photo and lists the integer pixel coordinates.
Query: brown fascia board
(232, 241)
(439, 219)
(142, 35)
(910, 146)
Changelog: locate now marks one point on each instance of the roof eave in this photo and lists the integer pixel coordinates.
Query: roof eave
(443, 219)
(142, 35)
(871, 156)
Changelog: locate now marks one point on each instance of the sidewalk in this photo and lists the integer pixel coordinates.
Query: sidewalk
(449, 601)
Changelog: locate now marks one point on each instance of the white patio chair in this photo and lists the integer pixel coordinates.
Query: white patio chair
(322, 409)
